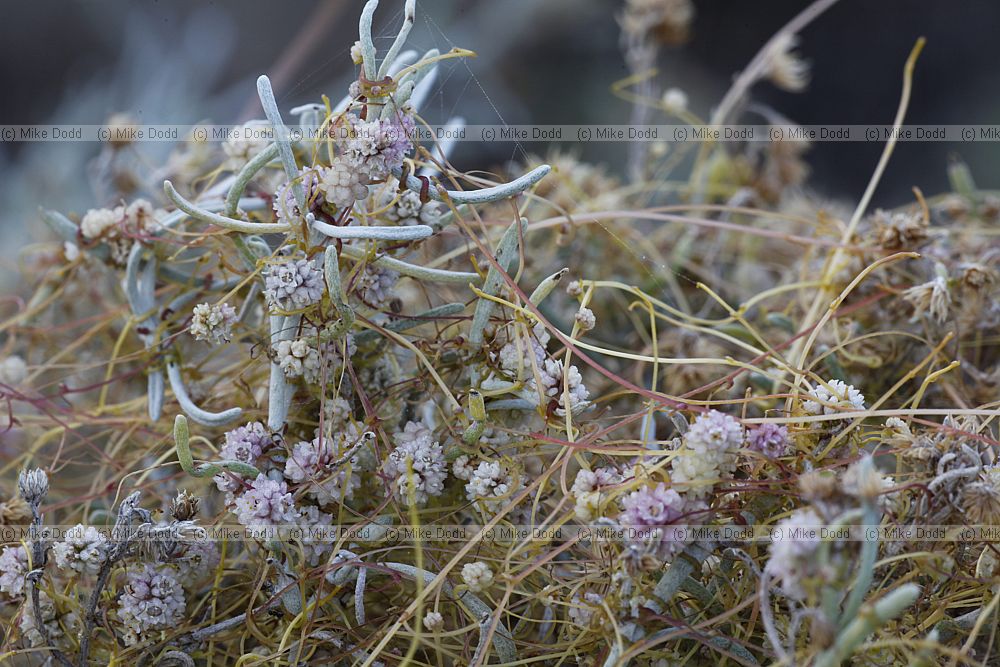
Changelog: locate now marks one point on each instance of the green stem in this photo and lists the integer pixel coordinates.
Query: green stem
(866, 566)
(249, 170)
(507, 250)
(220, 220)
(183, 446)
(868, 621)
(412, 270)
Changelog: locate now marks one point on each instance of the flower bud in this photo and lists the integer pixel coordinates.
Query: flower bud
(33, 485)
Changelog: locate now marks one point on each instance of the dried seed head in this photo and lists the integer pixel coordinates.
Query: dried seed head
(14, 512)
(931, 297)
(990, 208)
(185, 506)
(899, 231)
(981, 499)
(786, 69)
(897, 432)
(667, 21)
(33, 485)
(863, 480)
(954, 206)
(817, 484)
(977, 276)
(986, 566)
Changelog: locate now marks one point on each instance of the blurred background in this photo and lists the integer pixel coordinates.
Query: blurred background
(546, 61)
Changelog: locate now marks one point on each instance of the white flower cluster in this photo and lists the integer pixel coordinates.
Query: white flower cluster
(118, 226)
(522, 355)
(266, 503)
(286, 208)
(477, 576)
(301, 357)
(462, 468)
(708, 452)
(586, 319)
(293, 284)
(54, 623)
(83, 550)
(581, 610)
(374, 285)
(99, 222)
(587, 490)
(343, 184)
(13, 567)
(245, 141)
(836, 396)
(213, 323)
(490, 483)
(310, 462)
(153, 600)
(244, 444)
(375, 147)
(658, 514)
(313, 546)
(434, 621)
(527, 357)
(574, 394)
(791, 555)
(417, 464)
(356, 53)
(297, 358)
(406, 209)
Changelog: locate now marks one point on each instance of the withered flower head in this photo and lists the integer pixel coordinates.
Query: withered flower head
(185, 506)
(14, 511)
(981, 499)
(977, 276)
(668, 21)
(899, 231)
(817, 484)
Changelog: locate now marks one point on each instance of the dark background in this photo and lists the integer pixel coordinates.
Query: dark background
(548, 61)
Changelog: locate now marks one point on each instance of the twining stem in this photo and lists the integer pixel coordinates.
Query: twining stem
(183, 446)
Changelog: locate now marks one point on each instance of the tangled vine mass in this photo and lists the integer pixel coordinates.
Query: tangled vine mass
(322, 398)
